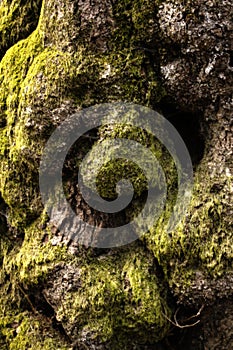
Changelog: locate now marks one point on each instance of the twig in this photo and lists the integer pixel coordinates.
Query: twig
(197, 314)
(4, 214)
(176, 323)
(28, 299)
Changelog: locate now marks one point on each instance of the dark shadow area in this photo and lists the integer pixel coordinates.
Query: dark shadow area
(213, 332)
(231, 59)
(3, 217)
(34, 301)
(188, 126)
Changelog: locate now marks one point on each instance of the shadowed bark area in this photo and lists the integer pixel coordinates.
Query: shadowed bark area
(163, 291)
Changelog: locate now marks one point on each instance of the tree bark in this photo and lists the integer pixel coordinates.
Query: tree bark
(161, 291)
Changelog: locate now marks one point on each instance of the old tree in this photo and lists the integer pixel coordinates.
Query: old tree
(161, 291)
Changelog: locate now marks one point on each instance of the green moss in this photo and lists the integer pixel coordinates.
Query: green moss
(13, 70)
(33, 74)
(202, 241)
(35, 82)
(114, 169)
(35, 259)
(118, 297)
(25, 331)
(24, 135)
(118, 294)
(43, 79)
(27, 267)
(17, 20)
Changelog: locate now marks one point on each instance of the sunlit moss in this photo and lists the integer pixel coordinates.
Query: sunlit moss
(26, 331)
(17, 21)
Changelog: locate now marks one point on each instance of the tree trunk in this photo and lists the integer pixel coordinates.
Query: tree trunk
(164, 290)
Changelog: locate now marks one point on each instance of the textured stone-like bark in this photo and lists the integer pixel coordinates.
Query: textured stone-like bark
(172, 56)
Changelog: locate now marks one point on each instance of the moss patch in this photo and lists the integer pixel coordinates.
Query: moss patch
(26, 331)
(18, 19)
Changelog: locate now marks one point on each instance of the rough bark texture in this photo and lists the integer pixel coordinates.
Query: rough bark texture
(175, 57)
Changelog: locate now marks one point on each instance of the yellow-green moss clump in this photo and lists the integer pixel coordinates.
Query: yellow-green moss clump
(24, 331)
(44, 78)
(117, 297)
(17, 20)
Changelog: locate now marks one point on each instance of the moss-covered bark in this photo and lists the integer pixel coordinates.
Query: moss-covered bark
(17, 20)
(55, 293)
